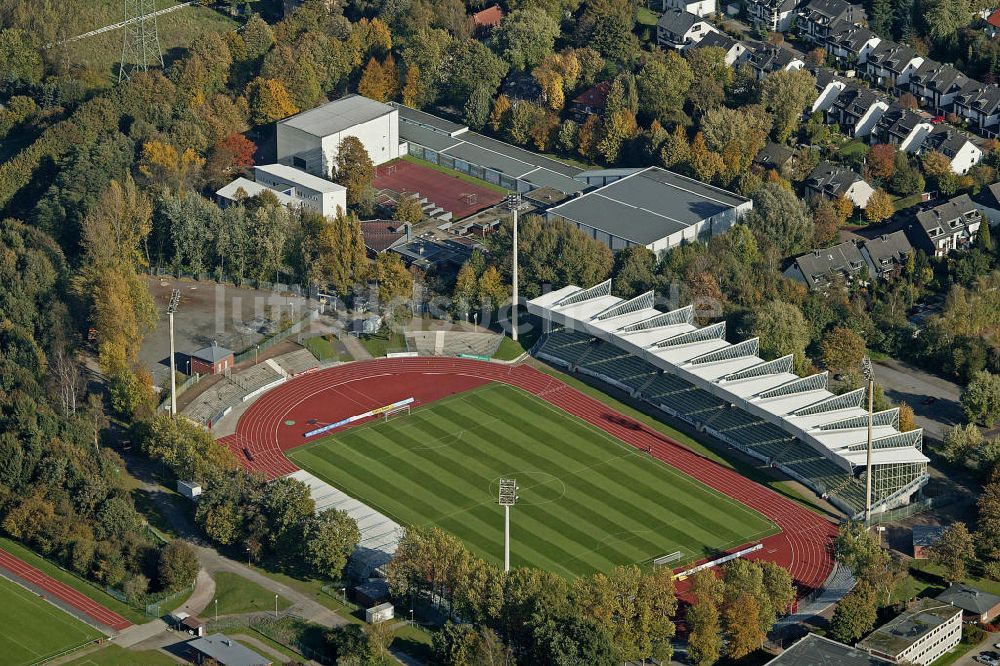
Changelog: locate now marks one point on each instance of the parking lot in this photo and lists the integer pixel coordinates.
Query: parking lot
(234, 317)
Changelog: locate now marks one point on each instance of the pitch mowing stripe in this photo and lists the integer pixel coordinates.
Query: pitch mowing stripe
(627, 489)
(443, 464)
(470, 428)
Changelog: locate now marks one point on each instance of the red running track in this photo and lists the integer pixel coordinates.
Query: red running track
(64, 593)
(804, 545)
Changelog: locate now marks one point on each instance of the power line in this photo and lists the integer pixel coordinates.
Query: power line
(141, 41)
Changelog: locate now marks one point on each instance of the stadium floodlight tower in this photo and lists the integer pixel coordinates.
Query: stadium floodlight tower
(869, 372)
(514, 202)
(507, 499)
(175, 299)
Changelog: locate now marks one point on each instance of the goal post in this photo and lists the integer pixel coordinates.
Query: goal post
(402, 410)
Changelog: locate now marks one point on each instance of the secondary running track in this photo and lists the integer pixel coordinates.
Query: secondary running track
(18, 569)
(277, 421)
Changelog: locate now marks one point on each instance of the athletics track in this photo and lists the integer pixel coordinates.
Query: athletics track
(278, 419)
(19, 569)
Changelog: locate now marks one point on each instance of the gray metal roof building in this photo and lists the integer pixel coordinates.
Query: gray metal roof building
(814, 650)
(338, 116)
(653, 207)
(454, 146)
(226, 651)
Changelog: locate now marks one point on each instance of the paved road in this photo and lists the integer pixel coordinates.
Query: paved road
(969, 658)
(906, 383)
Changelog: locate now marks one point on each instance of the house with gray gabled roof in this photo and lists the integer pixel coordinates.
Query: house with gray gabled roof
(889, 65)
(850, 44)
(734, 50)
(901, 127)
(935, 85)
(857, 109)
(768, 58)
(980, 105)
(951, 226)
(887, 254)
(831, 181)
(679, 29)
(820, 269)
(955, 145)
(817, 18)
(221, 649)
(978, 606)
(773, 15)
(698, 7)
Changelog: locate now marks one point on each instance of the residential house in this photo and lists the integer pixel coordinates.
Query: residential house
(889, 65)
(224, 651)
(923, 537)
(901, 127)
(857, 109)
(886, 255)
(734, 49)
(774, 156)
(678, 29)
(955, 145)
(993, 24)
(772, 15)
(980, 105)
(828, 87)
(590, 102)
(817, 18)
(951, 226)
(768, 58)
(849, 44)
(935, 85)
(701, 8)
(382, 235)
(977, 606)
(832, 181)
(485, 20)
(820, 269)
(988, 201)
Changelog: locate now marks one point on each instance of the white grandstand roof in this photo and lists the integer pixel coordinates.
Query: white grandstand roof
(832, 425)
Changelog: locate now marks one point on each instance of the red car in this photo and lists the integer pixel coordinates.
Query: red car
(937, 120)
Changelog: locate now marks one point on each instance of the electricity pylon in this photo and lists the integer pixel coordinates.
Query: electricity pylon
(141, 43)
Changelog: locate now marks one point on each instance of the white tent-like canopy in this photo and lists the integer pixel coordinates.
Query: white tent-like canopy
(835, 426)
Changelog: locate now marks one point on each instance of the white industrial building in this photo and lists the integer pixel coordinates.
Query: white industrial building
(310, 140)
(758, 406)
(921, 634)
(315, 194)
(651, 207)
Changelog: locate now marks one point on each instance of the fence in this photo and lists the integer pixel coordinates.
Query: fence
(911, 509)
(262, 285)
(274, 339)
(183, 386)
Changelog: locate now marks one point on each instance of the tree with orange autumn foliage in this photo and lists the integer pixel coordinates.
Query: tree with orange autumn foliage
(269, 101)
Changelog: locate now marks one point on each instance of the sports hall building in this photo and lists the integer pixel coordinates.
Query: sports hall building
(757, 406)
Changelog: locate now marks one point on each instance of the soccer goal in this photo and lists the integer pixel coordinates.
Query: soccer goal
(402, 410)
(664, 560)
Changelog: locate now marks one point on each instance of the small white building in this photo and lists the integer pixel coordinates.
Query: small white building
(701, 8)
(189, 489)
(962, 154)
(379, 613)
(310, 140)
(315, 194)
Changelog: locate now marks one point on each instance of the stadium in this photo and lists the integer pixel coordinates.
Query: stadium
(596, 488)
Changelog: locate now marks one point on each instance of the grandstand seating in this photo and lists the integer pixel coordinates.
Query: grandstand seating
(627, 369)
(567, 346)
(452, 343)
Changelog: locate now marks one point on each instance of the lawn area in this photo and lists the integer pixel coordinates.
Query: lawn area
(80, 585)
(717, 454)
(324, 348)
(906, 202)
(239, 595)
(925, 579)
(413, 641)
(587, 501)
(34, 629)
(455, 174)
(386, 340)
(646, 16)
(115, 655)
(852, 148)
(508, 350)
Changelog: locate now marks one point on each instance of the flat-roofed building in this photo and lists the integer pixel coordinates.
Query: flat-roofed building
(654, 208)
(310, 140)
(315, 194)
(920, 634)
(813, 650)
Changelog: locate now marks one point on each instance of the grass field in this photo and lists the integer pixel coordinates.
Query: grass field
(239, 595)
(34, 629)
(115, 655)
(587, 502)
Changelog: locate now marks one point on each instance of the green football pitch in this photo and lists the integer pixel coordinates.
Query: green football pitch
(587, 501)
(34, 629)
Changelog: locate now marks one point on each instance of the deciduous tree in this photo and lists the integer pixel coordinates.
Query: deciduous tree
(855, 615)
(954, 551)
(329, 538)
(269, 101)
(354, 169)
(981, 398)
(880, 206)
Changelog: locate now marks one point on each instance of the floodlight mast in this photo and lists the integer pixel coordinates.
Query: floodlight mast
(869, 372)
(513, 202)
(175, 299)
(507, 498)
